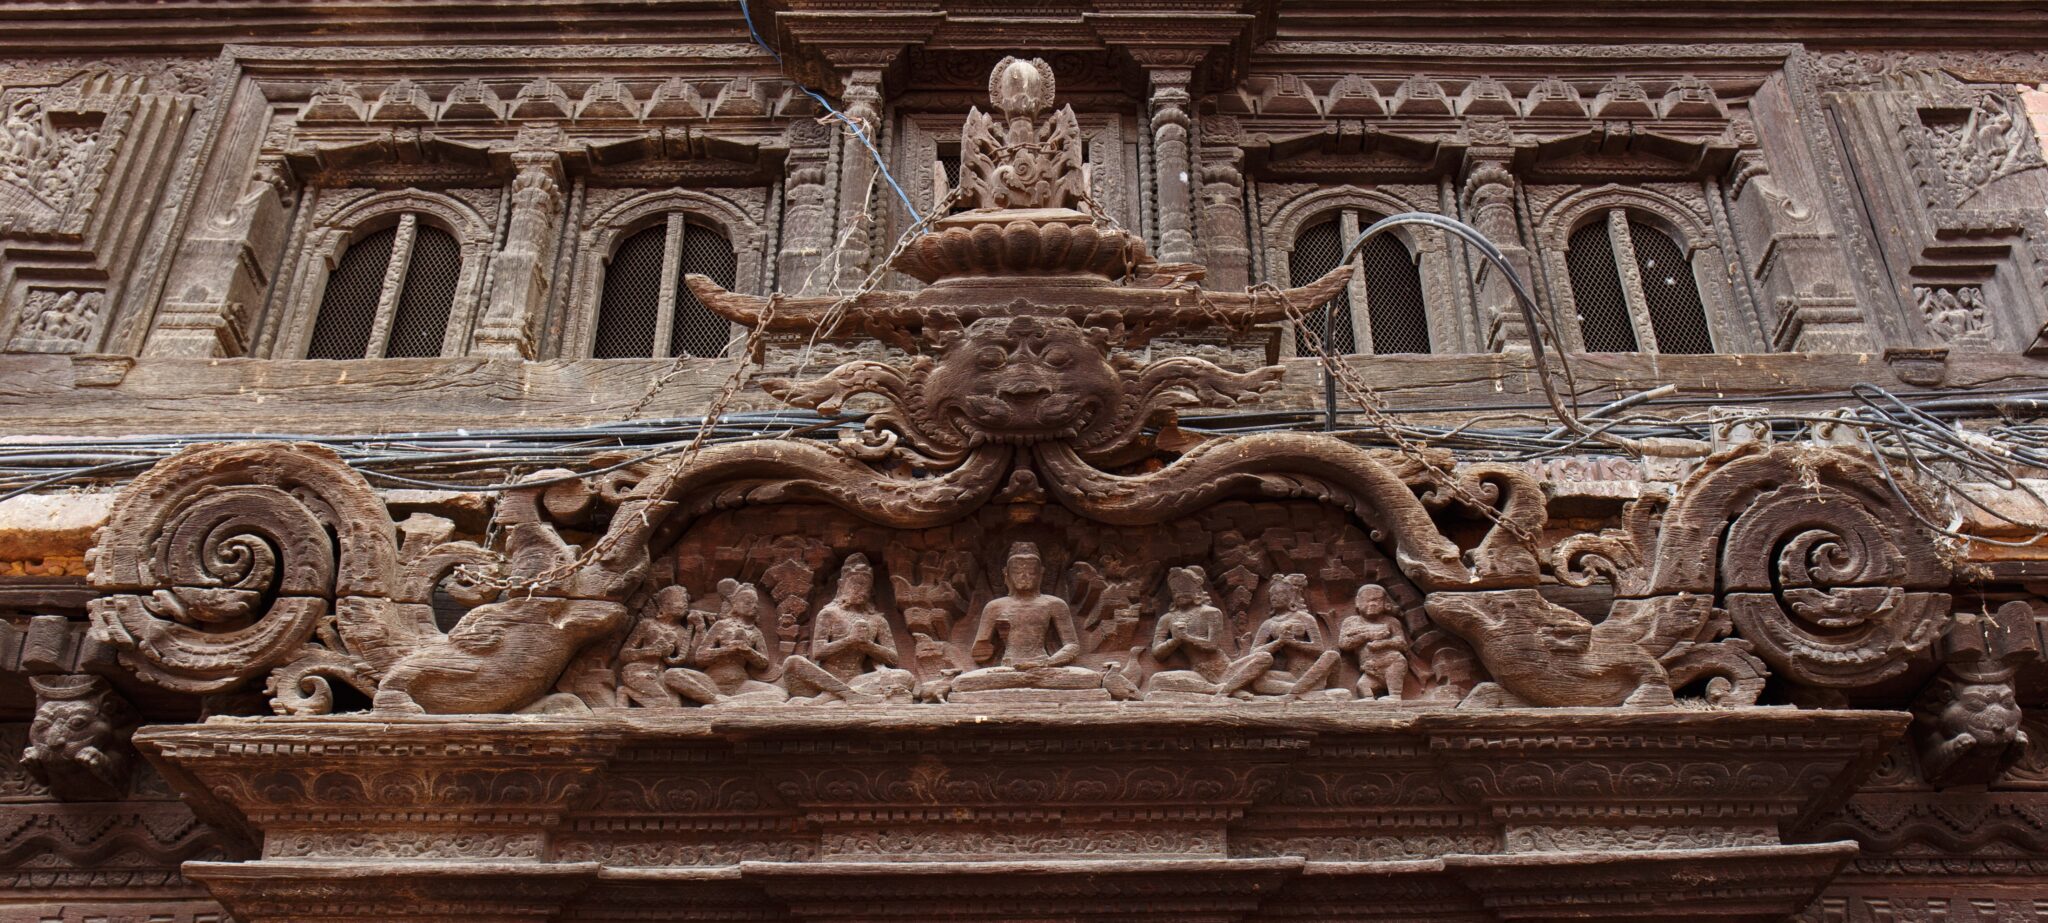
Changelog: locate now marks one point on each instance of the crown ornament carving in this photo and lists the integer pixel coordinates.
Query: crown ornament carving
(1032, 244)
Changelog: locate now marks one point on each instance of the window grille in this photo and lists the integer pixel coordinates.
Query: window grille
(1657, 307)
(389, 295)
(1596, 287)
(1393, 298)
(1397, 316)
(1670, 292)
(422, 319)
(631, 302)
(697, 331)
(348, 309)
(1316, 252)
(644, 301)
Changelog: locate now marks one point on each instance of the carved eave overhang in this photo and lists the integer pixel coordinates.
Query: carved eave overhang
(1146, 812)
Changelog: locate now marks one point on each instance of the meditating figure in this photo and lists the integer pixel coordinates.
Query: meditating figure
(660, 642)
(853, 653)
(730, 655)
(1195, 633)
(1288, 654)
(1373, 630)
(1025, 621)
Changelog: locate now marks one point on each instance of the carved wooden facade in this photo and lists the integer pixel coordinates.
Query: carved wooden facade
(1031, 641)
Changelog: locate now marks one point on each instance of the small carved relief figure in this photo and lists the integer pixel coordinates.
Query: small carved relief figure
(1288, 655)
(77, 744)
(1453, 670)
(730, 655)
(663, 640)
(1024, 621)
(853, 654)
(1968, 725)
(1373, 631)
(1195, 632)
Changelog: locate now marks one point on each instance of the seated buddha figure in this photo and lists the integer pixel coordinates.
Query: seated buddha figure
(853, 653)
(1026, 622)
(730, 655)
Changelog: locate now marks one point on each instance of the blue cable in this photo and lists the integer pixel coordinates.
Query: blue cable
(822, 101)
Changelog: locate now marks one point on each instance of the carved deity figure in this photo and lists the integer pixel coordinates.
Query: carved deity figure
(1373, 631)
(1193, 632)
(663, 640)
(1288, 656)
(853, 653)
(1025, 621)
(730, 655)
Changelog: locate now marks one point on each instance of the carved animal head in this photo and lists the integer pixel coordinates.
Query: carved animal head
(1986, 711)
(1022, 379)
(64, 728)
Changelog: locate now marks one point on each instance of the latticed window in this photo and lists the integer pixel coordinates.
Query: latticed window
(646, 311)
(389, 295)
(1634, 289)
(1397, 321)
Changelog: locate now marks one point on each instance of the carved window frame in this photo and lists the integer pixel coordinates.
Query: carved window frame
(325, 243)
(1692, 231)
(604, 231)
(1437, 271)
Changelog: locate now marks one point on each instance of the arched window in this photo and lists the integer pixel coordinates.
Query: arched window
(645, 303)
(1654, 308)
(1396, 319)
(389, 295)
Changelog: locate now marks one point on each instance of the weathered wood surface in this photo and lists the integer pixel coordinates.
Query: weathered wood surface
(62, 396)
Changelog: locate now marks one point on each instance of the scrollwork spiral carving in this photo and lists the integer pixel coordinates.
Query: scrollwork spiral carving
(220, 562)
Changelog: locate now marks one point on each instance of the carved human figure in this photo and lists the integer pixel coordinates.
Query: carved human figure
(730, 655)
(1193, 633)
(1373, 632)
(1288, 656)
(1025, 621)
(853, 653)
(663, 640)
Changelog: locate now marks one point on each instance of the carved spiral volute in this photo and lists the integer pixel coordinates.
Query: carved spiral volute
(218, 564)
(1830, 589)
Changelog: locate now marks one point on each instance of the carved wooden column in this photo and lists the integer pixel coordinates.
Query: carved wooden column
(1224, 247)
(1170, 160)
(858, 179)
(519, 286)
(806, 208)
(1490, 207)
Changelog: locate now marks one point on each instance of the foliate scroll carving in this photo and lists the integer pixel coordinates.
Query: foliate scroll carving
(78, 742)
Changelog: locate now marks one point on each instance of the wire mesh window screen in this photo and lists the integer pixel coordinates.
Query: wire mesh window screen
(421, 320)
(631, 303)
(1393, 291)
(1316, 252)
(348, 308)
(1673, 294)
(696, 331)
(1604, 322)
